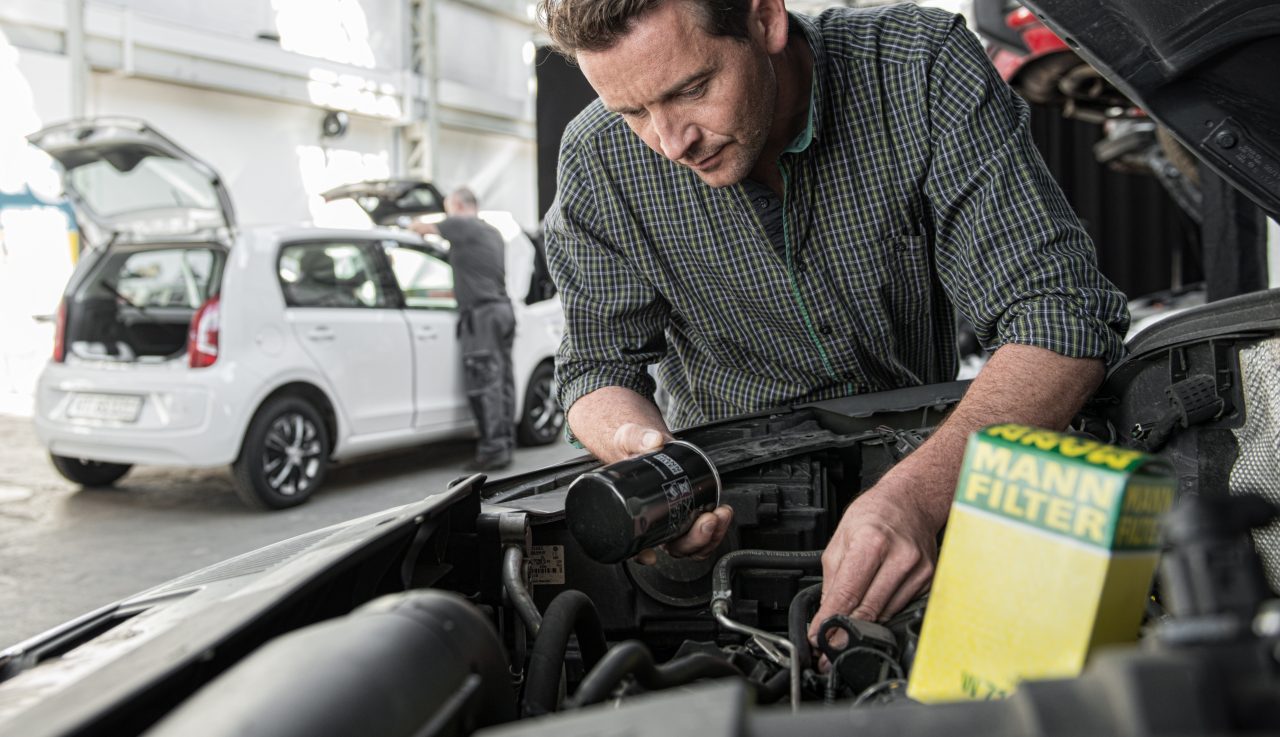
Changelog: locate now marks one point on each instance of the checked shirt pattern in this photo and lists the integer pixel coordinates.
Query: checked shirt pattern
(915, 191)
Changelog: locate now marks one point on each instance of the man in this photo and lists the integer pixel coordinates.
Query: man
(782, 209)
(486, 324)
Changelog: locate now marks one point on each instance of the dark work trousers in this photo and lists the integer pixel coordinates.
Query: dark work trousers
(486, 333)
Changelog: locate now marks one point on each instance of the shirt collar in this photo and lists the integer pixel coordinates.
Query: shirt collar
(813, 124)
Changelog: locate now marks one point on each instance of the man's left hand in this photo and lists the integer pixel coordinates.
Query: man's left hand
(885, 547)
(882, 554)
(423, 229)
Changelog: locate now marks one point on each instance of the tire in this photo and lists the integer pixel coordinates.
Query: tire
(89, 474)
(541, 419)
(284, 456)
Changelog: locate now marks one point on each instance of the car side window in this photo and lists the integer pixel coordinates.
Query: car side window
(329, 274)
(426, 281)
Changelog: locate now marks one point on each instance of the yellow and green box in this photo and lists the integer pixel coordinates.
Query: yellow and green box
(1049, 553)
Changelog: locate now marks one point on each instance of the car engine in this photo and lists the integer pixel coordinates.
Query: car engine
(476, 611)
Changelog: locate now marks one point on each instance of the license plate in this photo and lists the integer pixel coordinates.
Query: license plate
(117, 407)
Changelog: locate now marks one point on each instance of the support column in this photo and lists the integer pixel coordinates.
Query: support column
(76, 55)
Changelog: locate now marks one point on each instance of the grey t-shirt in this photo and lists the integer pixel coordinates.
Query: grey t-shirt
(479, 265)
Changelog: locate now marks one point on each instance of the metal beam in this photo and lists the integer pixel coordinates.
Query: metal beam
(75, 53)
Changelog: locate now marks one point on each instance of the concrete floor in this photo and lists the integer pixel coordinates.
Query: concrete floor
(65, 551)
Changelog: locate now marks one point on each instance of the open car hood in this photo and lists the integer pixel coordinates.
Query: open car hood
(1205, 69)
(128, 180)
(389, 199)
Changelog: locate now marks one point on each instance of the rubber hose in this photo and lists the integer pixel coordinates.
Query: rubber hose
(797, 621)
(571, 612)
(722, 579)
(513, 582)
(774, 689)
(632, 658)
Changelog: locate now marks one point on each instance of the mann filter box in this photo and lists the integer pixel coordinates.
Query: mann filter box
(1049, 552)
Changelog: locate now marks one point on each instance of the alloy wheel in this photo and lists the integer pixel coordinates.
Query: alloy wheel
(292, 454)
(546, 414)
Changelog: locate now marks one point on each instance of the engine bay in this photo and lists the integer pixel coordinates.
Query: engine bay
(475, 610)
(745, 609)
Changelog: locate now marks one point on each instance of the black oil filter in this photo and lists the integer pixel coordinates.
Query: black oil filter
(620, 509)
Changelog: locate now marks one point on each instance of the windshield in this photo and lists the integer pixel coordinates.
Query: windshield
(153, 183)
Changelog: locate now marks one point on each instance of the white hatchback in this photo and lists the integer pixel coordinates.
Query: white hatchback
(184, 341)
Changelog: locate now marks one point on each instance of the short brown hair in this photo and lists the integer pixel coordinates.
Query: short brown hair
(595, 25)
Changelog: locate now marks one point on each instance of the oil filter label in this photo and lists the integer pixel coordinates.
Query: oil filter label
(679, 494)
(546, 565)
(669, 462)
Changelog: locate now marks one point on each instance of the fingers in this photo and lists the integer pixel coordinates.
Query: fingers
(705, 536)
(871, 580)
(849, 574)
(887, 584)
(631, 439)
(917, 582)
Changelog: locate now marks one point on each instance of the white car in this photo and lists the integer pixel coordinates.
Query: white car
(184, 341)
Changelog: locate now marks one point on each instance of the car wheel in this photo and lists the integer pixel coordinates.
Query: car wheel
(89, 474)
(542, 419)
(284, 455)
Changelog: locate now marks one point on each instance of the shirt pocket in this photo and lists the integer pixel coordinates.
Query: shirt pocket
(907, 287)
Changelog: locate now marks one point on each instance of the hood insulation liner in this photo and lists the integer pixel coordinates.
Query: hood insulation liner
(1259, 443)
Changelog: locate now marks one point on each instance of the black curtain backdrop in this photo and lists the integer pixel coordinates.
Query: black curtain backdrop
(1136, 226)
(562, 93)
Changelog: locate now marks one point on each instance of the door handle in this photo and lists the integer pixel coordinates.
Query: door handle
(320, 333)
(427, 334)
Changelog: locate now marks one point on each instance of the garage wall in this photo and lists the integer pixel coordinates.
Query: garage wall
(36, 243)
(481, 82)
(260, 74)
(485, 52)
(271, 155)
(500, 169)
(364, 33)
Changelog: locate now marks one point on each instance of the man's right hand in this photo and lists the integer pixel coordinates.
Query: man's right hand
(631, 439)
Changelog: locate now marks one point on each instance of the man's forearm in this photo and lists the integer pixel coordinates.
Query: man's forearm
(1021, 384)
(596, 418)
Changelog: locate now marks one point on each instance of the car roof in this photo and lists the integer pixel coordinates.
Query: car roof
(266, 236)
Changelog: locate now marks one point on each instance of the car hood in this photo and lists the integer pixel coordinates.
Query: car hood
(387, 200)
(1202, 68)
(132, 182)
(93, 668)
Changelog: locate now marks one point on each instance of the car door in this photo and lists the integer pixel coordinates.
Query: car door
(352, 328)
(426, 283)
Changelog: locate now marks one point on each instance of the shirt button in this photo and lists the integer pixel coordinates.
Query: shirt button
(762, 202)
(825, 329)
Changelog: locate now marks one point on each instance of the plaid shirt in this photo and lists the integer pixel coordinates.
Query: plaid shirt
(914, 188)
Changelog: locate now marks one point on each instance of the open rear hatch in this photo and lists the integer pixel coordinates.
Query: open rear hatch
(133, 184)
(159, 221)
(389, 200)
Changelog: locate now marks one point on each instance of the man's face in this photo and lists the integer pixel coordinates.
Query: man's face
(703, 101)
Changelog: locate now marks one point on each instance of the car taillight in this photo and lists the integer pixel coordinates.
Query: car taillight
(60, 333)
(202, 337)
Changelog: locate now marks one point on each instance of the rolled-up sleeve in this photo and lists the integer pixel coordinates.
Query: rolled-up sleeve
(1013, 256)
(615, 320)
